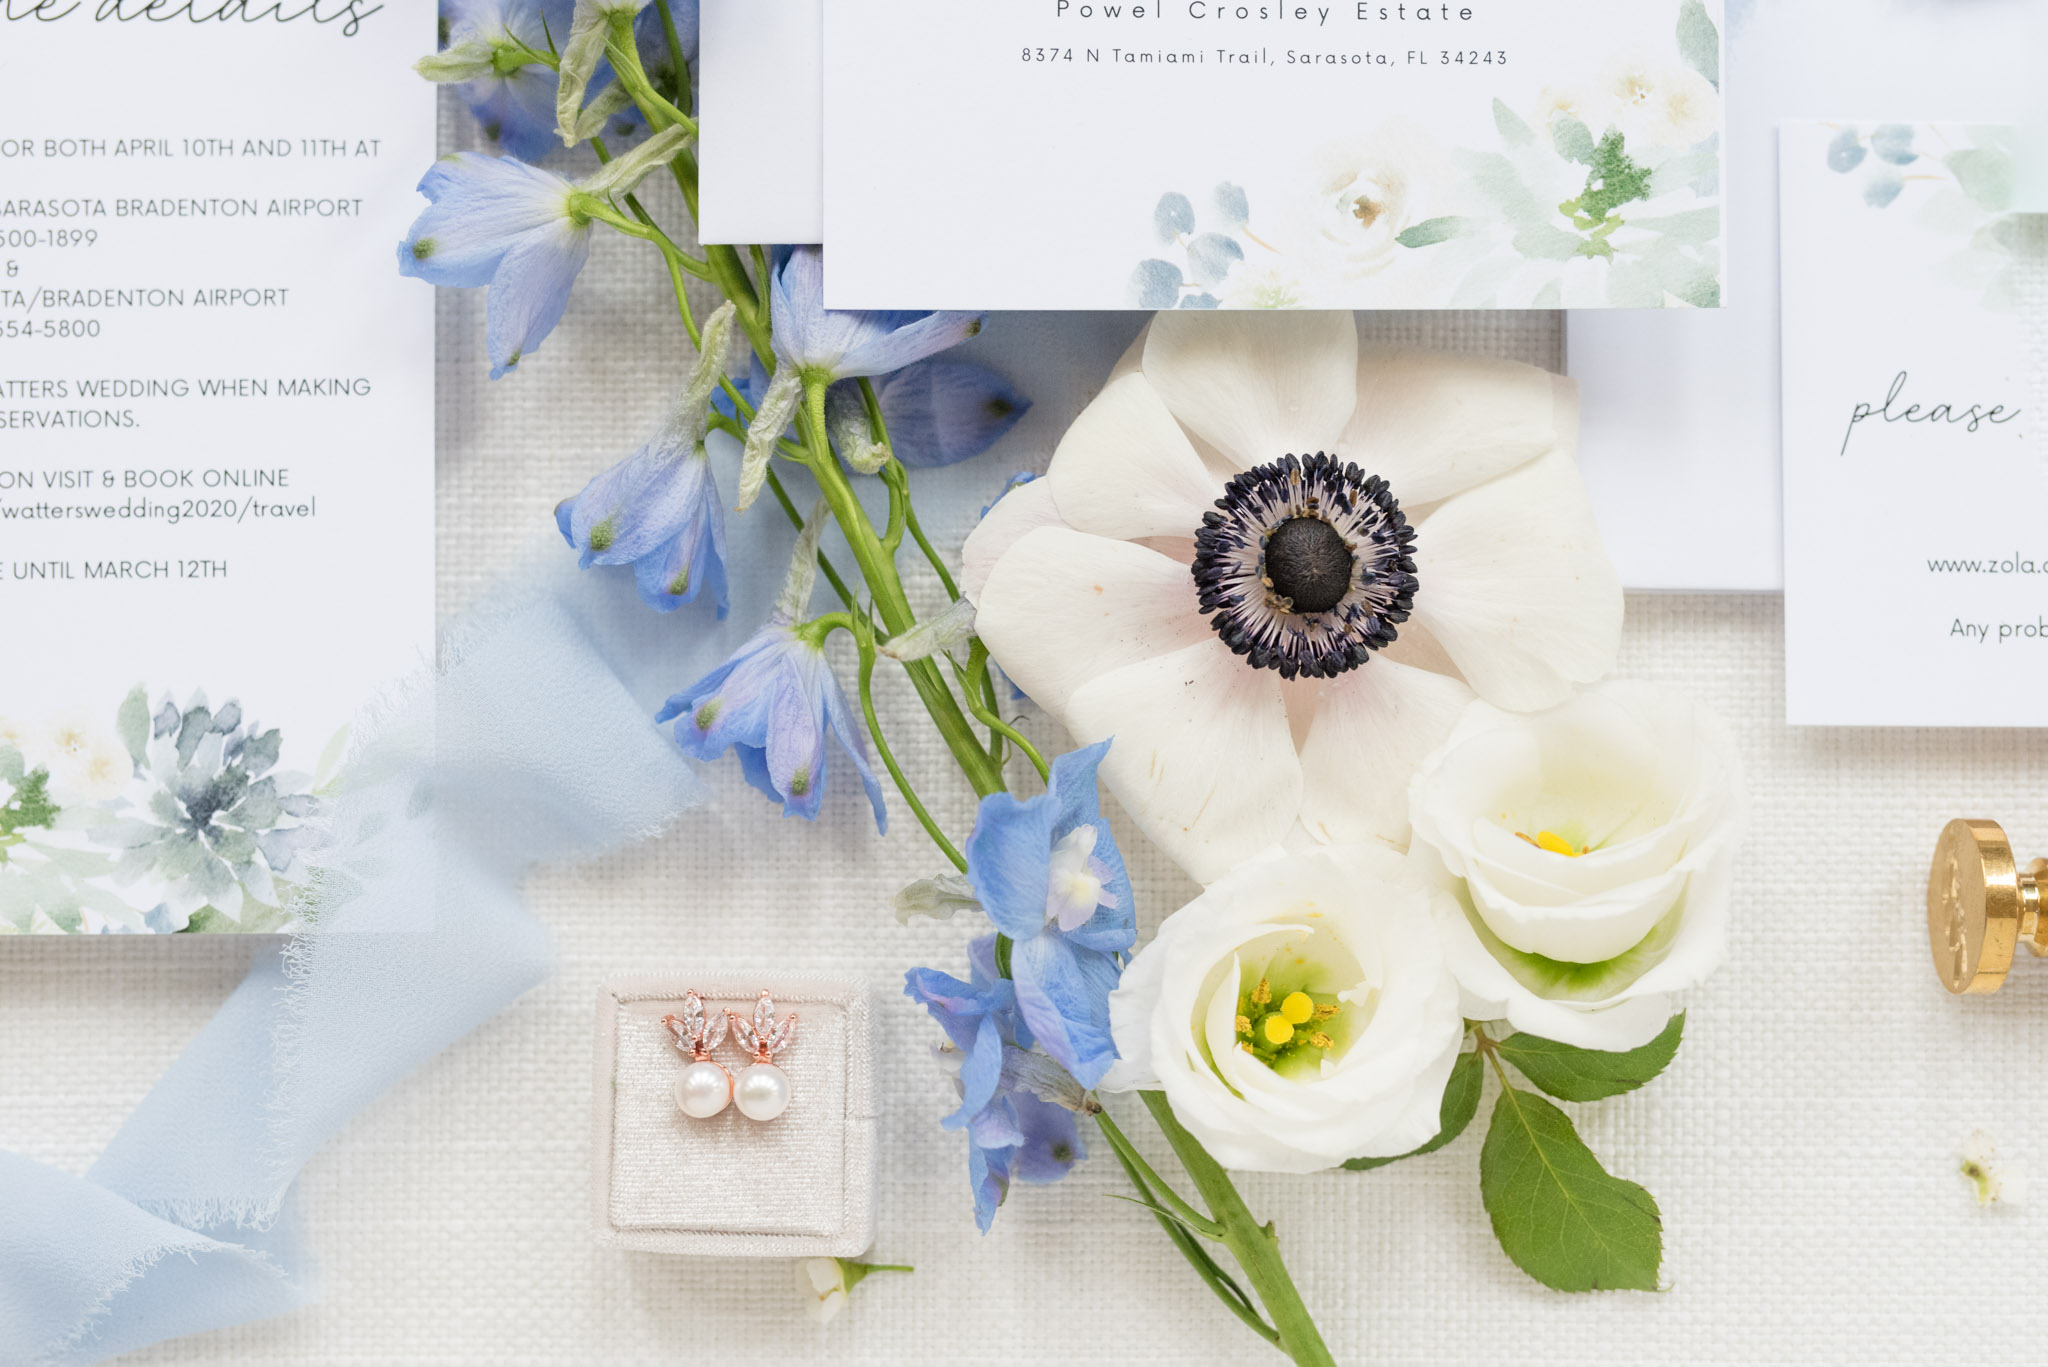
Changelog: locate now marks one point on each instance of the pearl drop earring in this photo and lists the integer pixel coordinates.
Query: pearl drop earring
(704, 1088)
(763, 1088)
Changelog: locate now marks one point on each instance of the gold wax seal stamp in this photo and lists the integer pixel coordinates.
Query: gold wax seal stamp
(1981, 906)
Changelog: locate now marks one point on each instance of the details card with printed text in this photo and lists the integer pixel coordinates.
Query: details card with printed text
(216, 443)
(1916, 561)
(1085, 154)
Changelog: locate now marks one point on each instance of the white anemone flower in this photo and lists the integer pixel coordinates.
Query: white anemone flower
(1589, 850)
(1276, 637)
(1297, 1013)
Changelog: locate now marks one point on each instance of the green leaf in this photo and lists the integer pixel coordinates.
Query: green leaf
(1513, 130)
(1570, 1073)
(131, 722)
(1430, 231)
(1699, 42)
(1562, 1218)
(1572, 139)
(1985, 175)
(1461, 1103)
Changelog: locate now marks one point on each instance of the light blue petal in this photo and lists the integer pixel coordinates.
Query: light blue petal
(1007, 856)
(530, 291)
(840, 717)
(988, 1175)
(980, 1071)
(483, 207)
(695, 558)
(882, 347)
(796, 735)
(1052, 1141)
(1063, 994)
(941, 412)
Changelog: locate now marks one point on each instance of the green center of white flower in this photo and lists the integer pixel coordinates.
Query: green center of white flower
(1301, 1001)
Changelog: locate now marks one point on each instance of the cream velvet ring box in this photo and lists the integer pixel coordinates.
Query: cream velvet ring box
(800, 1185)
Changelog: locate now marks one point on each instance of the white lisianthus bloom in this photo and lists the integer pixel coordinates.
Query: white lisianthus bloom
(1233, 535)
(1296, 1014)
(1588, 849)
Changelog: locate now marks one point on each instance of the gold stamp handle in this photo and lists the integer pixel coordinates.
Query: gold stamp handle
(1981, 906)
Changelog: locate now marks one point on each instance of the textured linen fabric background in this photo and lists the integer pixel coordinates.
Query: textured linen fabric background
(1803, 1146)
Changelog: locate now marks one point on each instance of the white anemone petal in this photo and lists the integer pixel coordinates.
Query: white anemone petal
(1257, 386)
(1023, 509)
(1517, 587)
(1125, 468)
(1369, 730)
(1062, 608)
(1433, 424)
(1202, 757)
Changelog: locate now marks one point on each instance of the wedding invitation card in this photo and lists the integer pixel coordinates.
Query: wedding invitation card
(760, 167)
(1916, 572)
(1096, 154)
(216, 443)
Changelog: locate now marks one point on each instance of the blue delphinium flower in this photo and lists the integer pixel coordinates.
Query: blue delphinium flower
(1048, 874)
(523, 231)
(1012, 1132)
(775, 702)
(844, 344)
(658, 510)
(938, 412)
(500, 222)
(515, 107)
(818, 345)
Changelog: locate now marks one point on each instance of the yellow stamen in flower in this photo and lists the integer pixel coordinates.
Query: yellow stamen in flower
(1555, 843)
(1263, 993)
(1244, 1025)
(1297, 1007)
(1276, 1029)
(1328, 1011)
(1322, 1041)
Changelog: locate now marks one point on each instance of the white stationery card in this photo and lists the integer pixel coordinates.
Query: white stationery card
(216, 442)
(1091, 154)
(1916, 572)
(1681, 411)
(759, 95)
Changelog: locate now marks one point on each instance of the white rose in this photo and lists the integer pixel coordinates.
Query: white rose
(1364, 193)
(1588, 849)
(1297, 1013)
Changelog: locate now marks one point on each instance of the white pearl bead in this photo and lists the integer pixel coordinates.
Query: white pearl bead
(763, 1092)
(703, 1089)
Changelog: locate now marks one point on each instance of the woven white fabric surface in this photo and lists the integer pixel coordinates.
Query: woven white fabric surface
(1803, 1147)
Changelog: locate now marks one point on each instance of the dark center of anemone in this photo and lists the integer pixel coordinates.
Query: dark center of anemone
(1306, 565)
(1309, 564)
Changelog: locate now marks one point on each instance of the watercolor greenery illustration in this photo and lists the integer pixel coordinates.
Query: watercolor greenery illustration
(1957, 181)
(1604, 194)
(173, 819)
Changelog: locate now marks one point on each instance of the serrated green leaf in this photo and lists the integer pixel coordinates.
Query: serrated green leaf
(1430, 231)
(1574, 1074)
(1460, 1104)
(1559, 1215)
(1699, 42)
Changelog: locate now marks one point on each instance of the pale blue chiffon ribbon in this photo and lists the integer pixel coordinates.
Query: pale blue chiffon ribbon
(534, 744)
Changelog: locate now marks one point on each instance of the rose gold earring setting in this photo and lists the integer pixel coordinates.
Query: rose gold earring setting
(762, 1090)
(704, 1088)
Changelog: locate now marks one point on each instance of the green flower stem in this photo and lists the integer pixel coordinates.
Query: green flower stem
(1213, 1276)
(863, 636)
(1154, 1184)
(878, 568)
(675, 52)
(625, 57)
(1256, 1247)
(977, 668)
